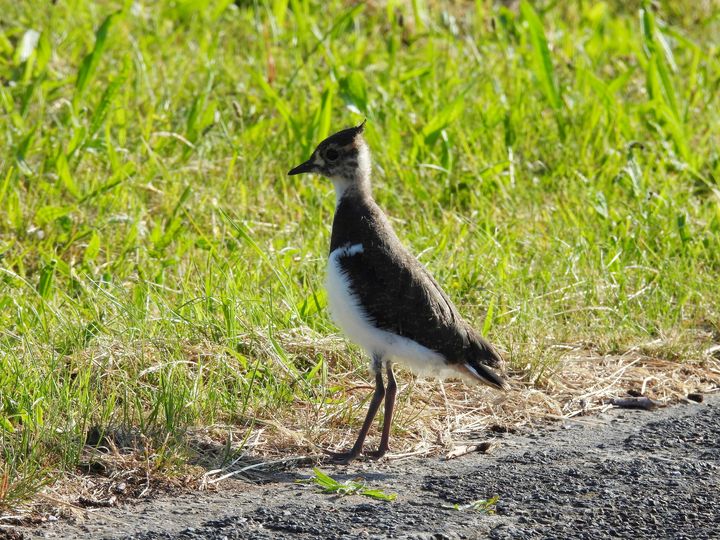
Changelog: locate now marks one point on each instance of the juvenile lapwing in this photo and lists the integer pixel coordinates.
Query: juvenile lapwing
(382, 297)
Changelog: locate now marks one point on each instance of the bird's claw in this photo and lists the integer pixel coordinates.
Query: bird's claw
(375, 454)
(342, 458)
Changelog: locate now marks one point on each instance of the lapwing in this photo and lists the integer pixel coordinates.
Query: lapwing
(382, 297)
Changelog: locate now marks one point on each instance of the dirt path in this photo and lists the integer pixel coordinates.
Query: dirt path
(622, 474)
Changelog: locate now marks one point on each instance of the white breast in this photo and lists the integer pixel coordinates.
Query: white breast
(348, 314)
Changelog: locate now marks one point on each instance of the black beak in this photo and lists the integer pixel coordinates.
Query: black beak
(308, 166)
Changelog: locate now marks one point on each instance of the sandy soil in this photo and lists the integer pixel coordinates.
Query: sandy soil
(621, 474)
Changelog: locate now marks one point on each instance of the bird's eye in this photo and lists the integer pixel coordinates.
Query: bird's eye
(331, 154)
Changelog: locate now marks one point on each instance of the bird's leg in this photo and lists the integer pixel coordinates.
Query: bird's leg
(387, 420)
(354, 452)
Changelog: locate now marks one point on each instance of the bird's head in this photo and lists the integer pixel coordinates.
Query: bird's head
(343, 157)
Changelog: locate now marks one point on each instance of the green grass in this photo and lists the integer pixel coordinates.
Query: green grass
(557, 170)
(348, 487)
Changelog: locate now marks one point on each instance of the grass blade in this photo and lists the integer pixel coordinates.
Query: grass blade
(103, 106)
(442, 119)
(349, 487)
(63, 170)
(542, 61)
(90, 62)
(46, 279)
(325, 115)
(660, 55)
(354, 91)
(659, 80)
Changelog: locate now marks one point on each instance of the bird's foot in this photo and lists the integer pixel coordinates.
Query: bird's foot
(376, 454)
(343, 458)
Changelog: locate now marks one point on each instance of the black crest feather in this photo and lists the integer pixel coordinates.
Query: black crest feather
(347, 136)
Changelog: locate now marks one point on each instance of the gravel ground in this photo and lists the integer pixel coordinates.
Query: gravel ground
(624, 474)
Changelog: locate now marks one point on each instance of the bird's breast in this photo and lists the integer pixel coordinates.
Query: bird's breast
(344, 305)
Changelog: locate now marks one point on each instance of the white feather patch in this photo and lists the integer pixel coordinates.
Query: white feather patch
(364, 162)
(340, 184)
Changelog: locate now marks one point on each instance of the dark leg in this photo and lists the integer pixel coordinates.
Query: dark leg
(387, 420)
(347, 457)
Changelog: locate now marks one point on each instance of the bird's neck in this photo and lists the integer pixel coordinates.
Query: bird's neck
(356, 187)
(355, 180)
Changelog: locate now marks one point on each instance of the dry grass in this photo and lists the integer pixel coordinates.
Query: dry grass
(433, 418)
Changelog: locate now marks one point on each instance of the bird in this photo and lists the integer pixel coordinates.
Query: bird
(383, 298)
